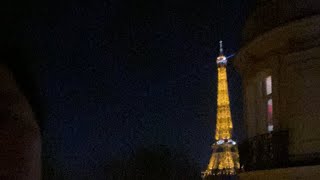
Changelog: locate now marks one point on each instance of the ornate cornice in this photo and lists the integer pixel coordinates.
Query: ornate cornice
(295, 36)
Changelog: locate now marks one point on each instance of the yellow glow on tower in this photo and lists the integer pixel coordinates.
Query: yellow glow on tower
(224, 122)
(225, 157)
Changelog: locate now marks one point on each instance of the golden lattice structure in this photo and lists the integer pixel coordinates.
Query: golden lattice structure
(225, 157)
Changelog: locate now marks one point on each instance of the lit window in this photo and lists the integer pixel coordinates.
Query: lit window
(269, 115)
(268, 102)
(268, 85)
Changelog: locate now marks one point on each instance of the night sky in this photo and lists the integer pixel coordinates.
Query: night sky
(117, 75)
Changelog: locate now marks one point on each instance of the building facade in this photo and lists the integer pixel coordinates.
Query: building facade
(280, 67)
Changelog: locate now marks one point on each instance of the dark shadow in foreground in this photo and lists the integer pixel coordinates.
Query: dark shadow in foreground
(154, 162)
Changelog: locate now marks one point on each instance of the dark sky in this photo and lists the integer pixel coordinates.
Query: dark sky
(121, 74)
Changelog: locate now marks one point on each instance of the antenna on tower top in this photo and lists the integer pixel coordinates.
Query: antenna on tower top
(221, 48)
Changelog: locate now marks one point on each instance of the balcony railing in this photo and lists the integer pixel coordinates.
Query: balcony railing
(266, 151)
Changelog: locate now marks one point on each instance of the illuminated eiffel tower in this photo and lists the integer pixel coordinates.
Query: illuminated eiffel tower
(224, 160)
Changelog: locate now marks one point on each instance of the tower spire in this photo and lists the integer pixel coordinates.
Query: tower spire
(221, 59)
(221, 47)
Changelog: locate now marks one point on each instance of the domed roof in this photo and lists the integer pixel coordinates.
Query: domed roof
(270, 14)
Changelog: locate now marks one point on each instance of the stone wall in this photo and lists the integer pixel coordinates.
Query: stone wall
(300, 100)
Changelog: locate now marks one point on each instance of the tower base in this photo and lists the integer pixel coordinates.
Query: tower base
(224, 161)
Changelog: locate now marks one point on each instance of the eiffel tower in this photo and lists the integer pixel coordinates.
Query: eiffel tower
(224, 160)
